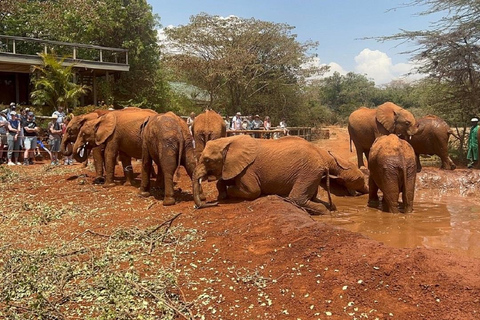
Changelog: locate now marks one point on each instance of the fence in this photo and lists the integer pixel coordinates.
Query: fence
(304, 132)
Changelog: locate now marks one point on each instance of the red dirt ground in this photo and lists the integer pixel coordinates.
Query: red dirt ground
(265, 259)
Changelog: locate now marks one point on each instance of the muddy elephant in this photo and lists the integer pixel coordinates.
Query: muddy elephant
(344, 173)
(365, 125)
(247, 168)
(120, 132)
(207, 126)
(432, 138)
(70, 136)
(167, 141)
(393, 170)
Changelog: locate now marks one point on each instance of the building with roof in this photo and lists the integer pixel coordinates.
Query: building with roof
(18, 55)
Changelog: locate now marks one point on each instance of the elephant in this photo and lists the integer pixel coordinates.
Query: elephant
(167, 141)
(393, 169)
(208, 125)
(344, 173)
(71, 134)
(364, 125)
(432, 138)
(247, 168)
(120, 132)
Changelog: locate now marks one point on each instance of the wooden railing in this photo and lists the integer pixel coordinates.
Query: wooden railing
(76, 51)
(304, 132)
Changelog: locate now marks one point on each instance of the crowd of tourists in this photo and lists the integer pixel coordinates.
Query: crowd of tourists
(21, 136)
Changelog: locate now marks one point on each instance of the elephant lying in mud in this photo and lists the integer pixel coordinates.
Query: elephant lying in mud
(365, 125)
(167, 141)
(432, 138)
(393, 170)
(344, 173)
(247, 168)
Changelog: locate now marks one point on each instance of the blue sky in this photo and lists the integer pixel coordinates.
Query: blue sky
(338, 26)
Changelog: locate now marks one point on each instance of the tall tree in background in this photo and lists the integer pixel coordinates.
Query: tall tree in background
(449, 54)
(246, 65)
(112, 23)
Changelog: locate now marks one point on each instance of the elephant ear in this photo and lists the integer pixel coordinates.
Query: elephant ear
(386, 114)
(238, 154)
(104, 128)
(341, 163)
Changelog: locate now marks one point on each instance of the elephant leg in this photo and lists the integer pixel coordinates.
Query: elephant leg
(85, 163)
(373, 200)
(222, 189)
(245, 188)
(419, 164)
(127, 168)
(390, 198)
(304, 193)
(98, 163)
(360, 157)
(168, 167)
(408, 193)
(110, 162)
(447, 163)
(146, 172)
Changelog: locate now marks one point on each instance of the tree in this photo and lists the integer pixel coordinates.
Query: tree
(450, 55)
(344, 93)
(246, 65)
(53, 85)
(111, 23)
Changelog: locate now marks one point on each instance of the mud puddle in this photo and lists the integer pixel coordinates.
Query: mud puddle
(445, 221)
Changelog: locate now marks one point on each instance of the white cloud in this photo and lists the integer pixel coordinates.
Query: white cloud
(378, 66)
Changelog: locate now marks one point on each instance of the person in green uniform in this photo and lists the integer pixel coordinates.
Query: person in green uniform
(472, 154)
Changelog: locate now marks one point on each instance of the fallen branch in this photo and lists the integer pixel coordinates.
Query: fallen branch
(167, 303)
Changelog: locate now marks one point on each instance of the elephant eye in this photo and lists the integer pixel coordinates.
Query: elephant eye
(407, 123)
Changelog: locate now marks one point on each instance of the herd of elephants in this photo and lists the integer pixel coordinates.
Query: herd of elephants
(246, 167)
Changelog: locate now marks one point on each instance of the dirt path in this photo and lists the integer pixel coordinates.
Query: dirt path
(265, 259)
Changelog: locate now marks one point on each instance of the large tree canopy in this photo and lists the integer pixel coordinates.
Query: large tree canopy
(112, 23)
(449, 53)
(245, 65)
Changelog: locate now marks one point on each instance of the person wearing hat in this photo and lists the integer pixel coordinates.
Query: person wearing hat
(55, 137)
(30, 130)
(237, 122)
(472, 153)
(10, 109)
(257, 124)
(13, 139)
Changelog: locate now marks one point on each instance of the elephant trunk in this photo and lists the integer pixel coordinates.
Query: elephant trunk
(197, 180)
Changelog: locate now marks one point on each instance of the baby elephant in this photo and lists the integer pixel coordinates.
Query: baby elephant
(393, 170)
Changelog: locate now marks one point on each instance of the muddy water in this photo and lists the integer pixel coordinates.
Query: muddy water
(442, 221)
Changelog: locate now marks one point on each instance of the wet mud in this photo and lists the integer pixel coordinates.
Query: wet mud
(446, 214)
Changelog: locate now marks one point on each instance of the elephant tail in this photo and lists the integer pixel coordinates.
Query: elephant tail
(351, 150)
(452, 133)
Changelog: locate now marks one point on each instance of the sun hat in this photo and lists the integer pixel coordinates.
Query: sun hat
(12, 104)
(55, 116)
(30, 114)
(474, 120)
(239, 114)
(257, 116)
(13, 113)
